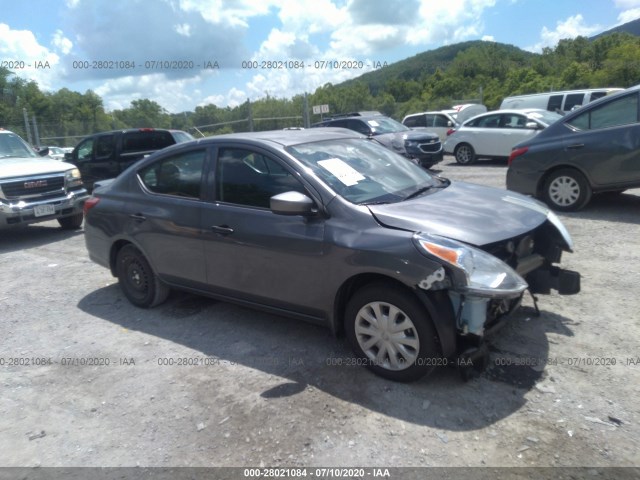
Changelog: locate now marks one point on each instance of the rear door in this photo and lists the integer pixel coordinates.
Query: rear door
(606, 142)
(164, 219)
(513, 130)
(251, 253)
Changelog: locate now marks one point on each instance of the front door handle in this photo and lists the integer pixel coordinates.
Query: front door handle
(222, 229)
(138, 217)
(575, 146)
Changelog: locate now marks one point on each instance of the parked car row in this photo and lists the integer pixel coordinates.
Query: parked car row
(420, 145)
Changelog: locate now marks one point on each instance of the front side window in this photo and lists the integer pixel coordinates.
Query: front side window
(440, 121)
(622, 111)
(488, 121)
(11, 145)
(362, 171)
(85, 150)
(512, 120)
(245, 177)
(179, 175)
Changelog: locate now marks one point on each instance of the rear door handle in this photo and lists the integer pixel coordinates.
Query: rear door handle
(222, 229)
(138, 217)
(575, 146)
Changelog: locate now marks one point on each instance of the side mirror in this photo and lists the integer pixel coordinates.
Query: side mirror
(68, 156)
(291, 203)
(43, 152)
(532, 126)
(449, 124)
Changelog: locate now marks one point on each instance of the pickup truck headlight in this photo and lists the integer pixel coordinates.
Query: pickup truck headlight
(72, 178)
(475, 272)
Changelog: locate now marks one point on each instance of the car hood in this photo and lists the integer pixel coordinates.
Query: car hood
(466, 212)
(395, 140)
(27, 166)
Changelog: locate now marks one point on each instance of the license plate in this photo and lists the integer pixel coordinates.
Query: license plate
(42, 210)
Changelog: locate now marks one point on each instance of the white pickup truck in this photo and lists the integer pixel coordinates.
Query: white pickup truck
(36, 189)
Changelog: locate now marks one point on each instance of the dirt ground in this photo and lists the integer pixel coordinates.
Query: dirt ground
(89, 380)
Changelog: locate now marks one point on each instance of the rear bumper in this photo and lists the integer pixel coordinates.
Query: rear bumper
(14, 213)
(522, 181)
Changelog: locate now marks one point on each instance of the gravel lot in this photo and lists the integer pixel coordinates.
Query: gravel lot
(89, 380)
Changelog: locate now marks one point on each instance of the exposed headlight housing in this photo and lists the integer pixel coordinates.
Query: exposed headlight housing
(475, 272)
(72, 178)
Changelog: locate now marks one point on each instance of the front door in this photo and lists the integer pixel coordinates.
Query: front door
(251, 253)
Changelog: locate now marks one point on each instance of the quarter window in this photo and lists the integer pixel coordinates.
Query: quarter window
(622, 111)
(179, 175)
(250, 178)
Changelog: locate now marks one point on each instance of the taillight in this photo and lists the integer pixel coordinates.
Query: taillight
(89, 204)
(516, 153)
(451, 131)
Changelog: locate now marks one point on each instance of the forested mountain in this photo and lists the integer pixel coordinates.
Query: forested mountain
(480, 71)
(632, 27)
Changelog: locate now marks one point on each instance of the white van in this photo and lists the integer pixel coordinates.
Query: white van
(561, 102)
(443, 121)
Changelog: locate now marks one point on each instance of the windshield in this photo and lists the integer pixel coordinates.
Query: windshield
(11, 145)
(362, 171)
(381, 125)
(545, 117)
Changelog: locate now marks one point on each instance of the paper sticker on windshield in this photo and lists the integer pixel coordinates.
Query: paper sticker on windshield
(342, 171)
(373, 123)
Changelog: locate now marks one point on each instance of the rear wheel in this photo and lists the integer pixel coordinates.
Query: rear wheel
(391, 333)
(465, 154)
(566, 190)
(71, 223)
(138, 281)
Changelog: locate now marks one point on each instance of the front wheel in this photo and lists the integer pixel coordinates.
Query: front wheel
(566, 190)
(465, 154)
(72, 222)
(391, 332)
(138, 281)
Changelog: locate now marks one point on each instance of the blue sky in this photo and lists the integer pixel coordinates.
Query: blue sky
(168, 43)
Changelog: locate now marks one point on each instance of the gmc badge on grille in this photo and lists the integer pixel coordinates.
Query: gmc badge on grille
(35, 184)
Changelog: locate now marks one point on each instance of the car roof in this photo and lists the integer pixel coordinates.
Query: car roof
(286, 138)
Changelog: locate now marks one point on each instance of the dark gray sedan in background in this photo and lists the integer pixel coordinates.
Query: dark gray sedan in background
(328, 226)
(594, 149)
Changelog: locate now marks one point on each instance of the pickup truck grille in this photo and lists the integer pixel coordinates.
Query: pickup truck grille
(30, 187)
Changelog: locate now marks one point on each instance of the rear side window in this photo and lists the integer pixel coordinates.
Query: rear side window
(622, 111)
(489, 121)
(179, 175)
(572, 100)
(555, 103)
(105, 146)
(415, 121)
(144, 141)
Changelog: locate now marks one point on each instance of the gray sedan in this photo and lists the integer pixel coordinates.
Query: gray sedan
(327, 226)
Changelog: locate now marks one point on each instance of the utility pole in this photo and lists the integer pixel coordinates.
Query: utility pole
(26, 125)
(35, 132)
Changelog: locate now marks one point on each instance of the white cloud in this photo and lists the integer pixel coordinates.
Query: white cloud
(183, 29)
(488, 38)
(572, 27)
(629, 15)
(627, 3)
(235, 14)
(33, 61)
(175, 95)
(61, 43)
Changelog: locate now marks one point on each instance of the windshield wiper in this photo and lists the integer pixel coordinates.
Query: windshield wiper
(418, 192)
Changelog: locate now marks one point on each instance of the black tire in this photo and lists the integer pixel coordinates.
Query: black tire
(138, 281)
(566, 190)
(421, 350)
(465, 154)
(71, 223)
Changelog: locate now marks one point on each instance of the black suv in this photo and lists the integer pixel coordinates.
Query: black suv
(107, 154)
(420, 145)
